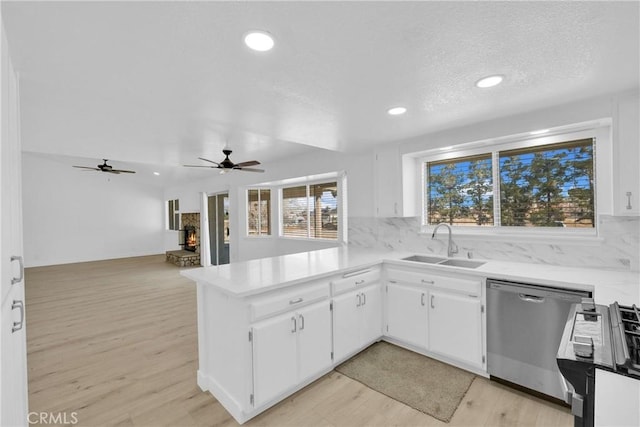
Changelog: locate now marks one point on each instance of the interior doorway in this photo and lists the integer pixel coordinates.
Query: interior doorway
(218, 209)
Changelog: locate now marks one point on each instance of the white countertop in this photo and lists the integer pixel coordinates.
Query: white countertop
(247, 278)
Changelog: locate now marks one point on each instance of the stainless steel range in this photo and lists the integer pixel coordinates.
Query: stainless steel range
(597, 336)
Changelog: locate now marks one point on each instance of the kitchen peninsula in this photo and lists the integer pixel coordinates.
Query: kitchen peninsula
(270, 326)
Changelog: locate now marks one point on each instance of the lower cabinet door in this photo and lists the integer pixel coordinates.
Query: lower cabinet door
(346, 324)
(274, 357)
(407, 314)
(370, 314)
(455, 327)
(314, 340)
(13, 360)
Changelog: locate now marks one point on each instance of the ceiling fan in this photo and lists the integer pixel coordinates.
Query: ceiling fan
(105, 168)
(227, 165)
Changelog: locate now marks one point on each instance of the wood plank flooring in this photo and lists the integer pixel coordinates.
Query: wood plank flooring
(115, 342)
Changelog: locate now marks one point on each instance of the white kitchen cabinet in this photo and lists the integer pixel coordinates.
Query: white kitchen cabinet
(274, 357)
(13, 355)
(626, 197)
(407, 314)
(357, 320)
(289, 349)
(455, 327)
(617, 400)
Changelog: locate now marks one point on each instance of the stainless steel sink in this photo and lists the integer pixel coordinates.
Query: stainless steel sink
(453, 262)
(425, 259)
(462, 263)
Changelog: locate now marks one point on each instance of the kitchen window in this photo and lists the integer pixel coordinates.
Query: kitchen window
(173, 215)
(521, 184)
(310, 211)
(259, 212)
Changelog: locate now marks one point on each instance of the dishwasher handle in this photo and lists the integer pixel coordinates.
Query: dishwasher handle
(531, 298)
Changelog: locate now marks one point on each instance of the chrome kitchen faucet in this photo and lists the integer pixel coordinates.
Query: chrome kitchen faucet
(452, 248)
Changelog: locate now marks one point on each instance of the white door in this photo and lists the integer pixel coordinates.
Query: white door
(370, 314)
(13, 358)
(455, 327)
(346, 324)
(407, 314)
(274, 357)
(314, 340)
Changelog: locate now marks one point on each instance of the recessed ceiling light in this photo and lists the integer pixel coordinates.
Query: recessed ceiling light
(489, 81)
(156, 173)
(396, 111)
(259, 40)
(539, 132)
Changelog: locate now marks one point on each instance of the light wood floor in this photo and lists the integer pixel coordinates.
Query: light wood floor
(115, 342)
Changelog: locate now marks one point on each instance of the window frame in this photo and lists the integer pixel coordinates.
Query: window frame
(599, 130)
(341, 211)
(172, 209)
(260, 235)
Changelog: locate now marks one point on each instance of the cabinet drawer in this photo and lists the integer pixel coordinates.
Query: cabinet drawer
(355, 279)
(467, 286)
(288, 300)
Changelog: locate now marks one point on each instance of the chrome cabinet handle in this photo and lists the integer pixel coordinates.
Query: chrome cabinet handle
(422, 299)
(432, 304)
(295, 301)
(429, 282)
(21, 263)
(18, 325)
(294, 326)
(301, 322)
(359, 300)
(359, 282)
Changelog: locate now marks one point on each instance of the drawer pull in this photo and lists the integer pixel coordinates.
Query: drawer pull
(429, 282)
(294, 325)
(296, 301)
(364, 299)
(301, 322)
(359, 282)
(432, 304)
(422, 299)
(355, 273)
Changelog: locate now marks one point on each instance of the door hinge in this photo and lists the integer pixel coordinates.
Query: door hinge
(331, 306)
(250, 335)
(251, 399)
(483, 359)
(332, 356)
(482, 308)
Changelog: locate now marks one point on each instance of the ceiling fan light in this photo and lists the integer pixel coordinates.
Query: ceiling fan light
(260, 41)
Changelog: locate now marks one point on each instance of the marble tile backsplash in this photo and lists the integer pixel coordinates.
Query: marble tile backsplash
(617, 248)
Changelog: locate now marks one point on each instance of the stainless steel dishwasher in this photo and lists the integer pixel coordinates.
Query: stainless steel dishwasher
(524, 327)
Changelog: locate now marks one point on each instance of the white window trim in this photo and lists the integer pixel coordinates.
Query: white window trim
(340, 179)
(600, 130)
(246, 198)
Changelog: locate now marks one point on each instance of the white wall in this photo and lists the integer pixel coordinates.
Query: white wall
(72, 215)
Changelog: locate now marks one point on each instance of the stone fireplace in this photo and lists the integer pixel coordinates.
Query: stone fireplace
(189, 240)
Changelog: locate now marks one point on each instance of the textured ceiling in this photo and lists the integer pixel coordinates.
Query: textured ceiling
(166, 82)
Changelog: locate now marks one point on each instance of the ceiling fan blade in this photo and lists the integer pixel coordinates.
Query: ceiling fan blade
(86, 167)
(200, 166)
(250, 169)
(121, 171)
(210, 161)
(249, 163)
